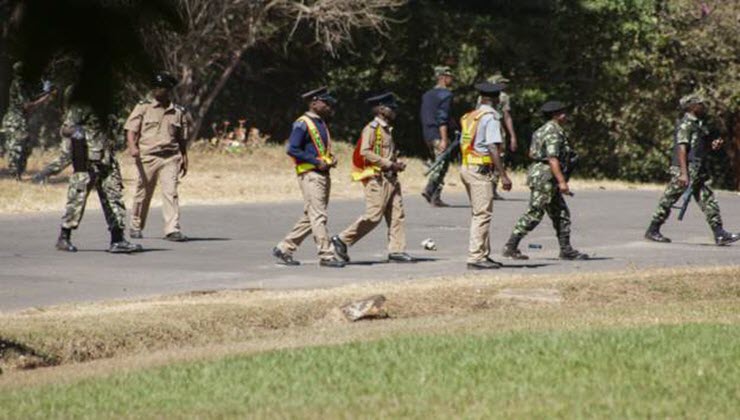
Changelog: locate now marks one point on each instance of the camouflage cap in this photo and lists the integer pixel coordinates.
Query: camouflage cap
(691, 99)
(498, 78)
(443, 71)
(18, 67)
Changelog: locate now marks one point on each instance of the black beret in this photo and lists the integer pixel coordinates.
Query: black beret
(553, 106)
(164, 80)
(488, 88)
(388, 99)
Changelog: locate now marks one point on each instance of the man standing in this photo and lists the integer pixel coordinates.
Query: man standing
(479, 145)
(436, 105)
(15, 122)
(376, 166)
(310, 147)
(548, 181)
(504, 108)
(156, 133)
(90, 147)
(691, 142)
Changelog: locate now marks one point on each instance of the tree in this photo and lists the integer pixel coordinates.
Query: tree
(219, 33)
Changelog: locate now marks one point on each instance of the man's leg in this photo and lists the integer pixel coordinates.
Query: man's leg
(480, 193)
(18, 152)
(433, 190)
(77, 193)
(540, 196)
(317, 188)
(377, 192)
(559, 213)
(169, 175)
(672, 193)
(395, 217)
(147, 169)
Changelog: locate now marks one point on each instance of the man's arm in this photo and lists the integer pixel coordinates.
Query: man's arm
(683, 164)
(368, 151)
(557, 172)
(443, 120)
(133, 130)
(295, 146)
(495, 142)
(509, 124)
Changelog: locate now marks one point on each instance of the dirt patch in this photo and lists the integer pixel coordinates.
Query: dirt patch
(82, 333)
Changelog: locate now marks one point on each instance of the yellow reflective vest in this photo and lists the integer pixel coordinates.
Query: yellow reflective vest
(469, 125)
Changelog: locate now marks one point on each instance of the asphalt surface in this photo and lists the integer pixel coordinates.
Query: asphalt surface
(230, 248)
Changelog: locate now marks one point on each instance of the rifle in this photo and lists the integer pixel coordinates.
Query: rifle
(685, 200)
(569, 166)
(445, 156)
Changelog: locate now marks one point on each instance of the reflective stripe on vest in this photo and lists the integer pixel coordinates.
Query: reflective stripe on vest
(324, 152)
(469, 124)
(365, 171)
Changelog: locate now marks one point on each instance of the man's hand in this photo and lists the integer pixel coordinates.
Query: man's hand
(322, 166)
(683, 180)
(717, 144)
(506, 182)
(334, 162)
(513, 144)
(398, 166)
(134, 152)
(564, 189)
(442, 145)
(184, 166)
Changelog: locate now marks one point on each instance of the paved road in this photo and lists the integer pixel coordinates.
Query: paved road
(231, 248)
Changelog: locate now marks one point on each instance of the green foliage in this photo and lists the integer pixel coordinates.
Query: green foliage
(685, 371)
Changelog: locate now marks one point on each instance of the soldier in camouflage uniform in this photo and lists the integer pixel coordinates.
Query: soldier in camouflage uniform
(689, 170)
(507, 129)
(15, 123)
(88, 142)
(547, 180)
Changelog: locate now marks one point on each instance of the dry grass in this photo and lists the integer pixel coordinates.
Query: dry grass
(258, 175)
(198, 324)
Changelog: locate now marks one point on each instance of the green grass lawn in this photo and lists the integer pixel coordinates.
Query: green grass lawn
(687, 371)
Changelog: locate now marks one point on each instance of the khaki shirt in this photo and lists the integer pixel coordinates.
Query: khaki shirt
(387, 148)
(159, 129)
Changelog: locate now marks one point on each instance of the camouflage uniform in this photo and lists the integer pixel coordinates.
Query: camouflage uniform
(548, 141)
(692, 132)
(15, 127)
(103, 172)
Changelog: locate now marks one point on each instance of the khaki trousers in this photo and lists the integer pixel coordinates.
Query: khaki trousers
(151, 168)
(315, 188)
(480, 193)
(382, 199)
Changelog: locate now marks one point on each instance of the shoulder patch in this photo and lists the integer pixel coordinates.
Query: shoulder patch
(373, 124)
(145, 101)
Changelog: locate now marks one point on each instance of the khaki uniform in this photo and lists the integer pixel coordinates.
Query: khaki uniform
(315, 188)
(479, 187)
(161, 132)
(383, 198)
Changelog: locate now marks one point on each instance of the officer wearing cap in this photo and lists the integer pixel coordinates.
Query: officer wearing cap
(376, 165)
(436, 108)
(507, 129)
(479, 146)
(309, 146)
(691, 143)
(548, 183)
(156, 133)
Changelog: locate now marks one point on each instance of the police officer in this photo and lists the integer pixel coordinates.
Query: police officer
(91, 150)
(691, 143)
(15, 122)
(547, 180)
(436, 108)
(375, 164)
(479, 145)
(310, 147)
(156, 133)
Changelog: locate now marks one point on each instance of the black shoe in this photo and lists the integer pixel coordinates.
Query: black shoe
(124, 247)
(726, 238)
(492, 261)
(653, 234)
(400, 257)
(437, 202)
(284, 259)
(333, 263)
(340, 248)
(498, 197)
(513, 253)
(427, 196)
(572, 254)
(483, 265)
(64, 244)
(135, 234)
(175, 237)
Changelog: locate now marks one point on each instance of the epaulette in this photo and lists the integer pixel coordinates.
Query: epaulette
(373, 124)
(145, 101)
(180, 108)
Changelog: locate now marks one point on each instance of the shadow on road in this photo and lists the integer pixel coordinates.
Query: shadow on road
(539, 265)
(143, 251)
(196, 239)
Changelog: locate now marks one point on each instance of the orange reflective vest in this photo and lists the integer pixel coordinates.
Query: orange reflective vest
(323, 150)
(469, 125)
(362, 169)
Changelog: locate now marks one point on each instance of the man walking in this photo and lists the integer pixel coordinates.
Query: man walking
(375, 164)
(310, 147)
(156, 133)
(507, 129)
(548, 182)
(691, 143)
(479, 145)
(436, 105)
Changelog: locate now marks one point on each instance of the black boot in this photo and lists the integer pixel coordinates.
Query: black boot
(723, 237)
(428, 192)
(437, 198)
(568, 253)
(340, 248)
(496, 195)
(653, 233)
(64, 243)
(511, 249)
(119, 244)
